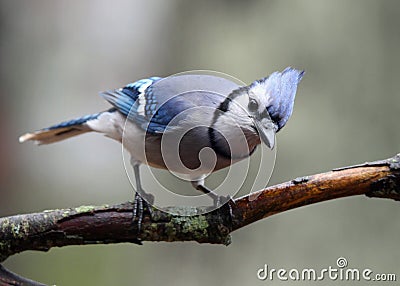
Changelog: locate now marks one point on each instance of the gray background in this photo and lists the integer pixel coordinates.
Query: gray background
(57, 55)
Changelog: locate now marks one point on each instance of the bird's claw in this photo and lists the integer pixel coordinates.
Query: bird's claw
(140, 201)
(224, 204)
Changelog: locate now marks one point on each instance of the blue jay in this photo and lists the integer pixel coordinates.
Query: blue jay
(202, 110)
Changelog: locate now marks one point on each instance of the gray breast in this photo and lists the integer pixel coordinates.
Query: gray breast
(181, 148)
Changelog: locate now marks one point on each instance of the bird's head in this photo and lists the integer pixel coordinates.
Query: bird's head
(269, 102)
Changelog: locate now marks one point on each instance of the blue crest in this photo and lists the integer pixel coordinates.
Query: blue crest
(281, 90)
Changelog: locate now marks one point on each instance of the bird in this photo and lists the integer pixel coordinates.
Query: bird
(167, 122)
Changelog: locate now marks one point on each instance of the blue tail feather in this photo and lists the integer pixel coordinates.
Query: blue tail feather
(62, 130)
(73, 122)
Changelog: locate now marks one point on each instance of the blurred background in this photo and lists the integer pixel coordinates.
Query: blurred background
(57, 55)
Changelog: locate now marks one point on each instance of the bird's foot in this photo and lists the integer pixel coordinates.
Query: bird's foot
(224, 209)
(140, 202)
(224, 206)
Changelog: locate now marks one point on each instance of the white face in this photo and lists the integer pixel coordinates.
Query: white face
(252, 105)
(258, 93)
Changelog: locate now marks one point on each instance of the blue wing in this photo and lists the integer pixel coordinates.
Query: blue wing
(133, 101)
(152, 103)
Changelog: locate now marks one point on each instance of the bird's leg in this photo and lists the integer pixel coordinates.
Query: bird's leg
(139, 202)
(217, 199)
(199, 185)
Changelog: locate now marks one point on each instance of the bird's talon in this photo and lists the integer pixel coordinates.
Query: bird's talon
(148, 198)
(138, 211)
(224, 206)
(220, 201)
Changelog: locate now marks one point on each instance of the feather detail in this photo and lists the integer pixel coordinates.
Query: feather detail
(62, 130)
(47, 136)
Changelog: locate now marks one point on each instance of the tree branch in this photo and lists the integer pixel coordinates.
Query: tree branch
(113, 224)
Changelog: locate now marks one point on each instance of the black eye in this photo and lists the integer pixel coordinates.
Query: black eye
(253, 105)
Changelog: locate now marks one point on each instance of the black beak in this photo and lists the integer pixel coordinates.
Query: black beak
(266, 131)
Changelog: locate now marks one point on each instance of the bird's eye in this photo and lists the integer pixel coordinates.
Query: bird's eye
(253, 105)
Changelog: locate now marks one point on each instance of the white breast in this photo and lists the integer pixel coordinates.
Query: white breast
(115, 126)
